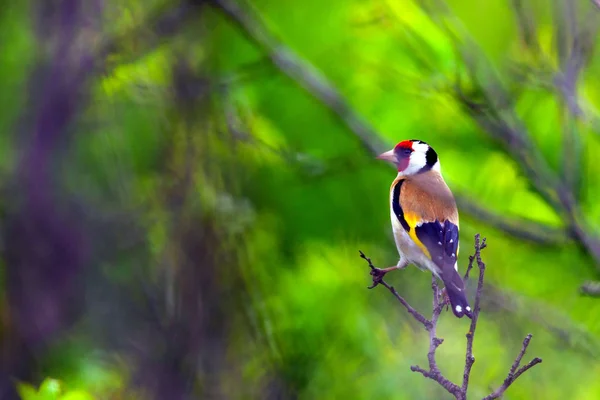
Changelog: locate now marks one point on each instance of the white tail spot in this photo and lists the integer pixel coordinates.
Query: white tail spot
(467, 308)
(451, 240)
(459, 309)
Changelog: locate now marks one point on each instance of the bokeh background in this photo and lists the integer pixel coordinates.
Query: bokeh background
(186, 185)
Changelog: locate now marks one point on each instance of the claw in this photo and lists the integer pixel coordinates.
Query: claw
(377, 275)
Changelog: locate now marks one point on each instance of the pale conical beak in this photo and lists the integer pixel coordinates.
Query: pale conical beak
(388, 156)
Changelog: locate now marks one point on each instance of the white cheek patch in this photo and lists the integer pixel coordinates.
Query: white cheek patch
(418, 159)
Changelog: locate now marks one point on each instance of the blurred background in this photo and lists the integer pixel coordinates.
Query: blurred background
(186, 185)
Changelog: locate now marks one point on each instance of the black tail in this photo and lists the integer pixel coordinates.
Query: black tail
(455, 288)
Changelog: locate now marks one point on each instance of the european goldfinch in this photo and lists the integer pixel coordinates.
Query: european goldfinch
(425, 219)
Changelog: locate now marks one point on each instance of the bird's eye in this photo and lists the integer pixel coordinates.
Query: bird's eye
(406, 152)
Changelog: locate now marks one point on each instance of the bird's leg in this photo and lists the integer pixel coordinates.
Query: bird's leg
(444, 299)
(379, 273)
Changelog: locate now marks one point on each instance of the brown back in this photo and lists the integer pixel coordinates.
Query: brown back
(427, 197)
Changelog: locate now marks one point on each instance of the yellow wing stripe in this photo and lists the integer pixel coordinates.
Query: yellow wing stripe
(412, 220)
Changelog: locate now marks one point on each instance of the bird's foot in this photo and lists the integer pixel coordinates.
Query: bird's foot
(377, 274)
(444, 299)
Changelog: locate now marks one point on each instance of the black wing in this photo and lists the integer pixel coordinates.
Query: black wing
(441, 240)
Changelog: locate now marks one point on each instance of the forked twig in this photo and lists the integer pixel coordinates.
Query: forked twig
(434, 373)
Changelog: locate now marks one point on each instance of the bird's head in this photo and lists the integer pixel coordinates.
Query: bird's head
(412, 157)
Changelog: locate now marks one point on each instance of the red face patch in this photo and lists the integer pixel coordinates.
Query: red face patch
(403, 151)
(406, 144)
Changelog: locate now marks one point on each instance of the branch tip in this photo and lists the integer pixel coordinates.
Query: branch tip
(433, 372)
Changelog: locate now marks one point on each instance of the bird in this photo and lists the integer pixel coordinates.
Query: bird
(424, 219)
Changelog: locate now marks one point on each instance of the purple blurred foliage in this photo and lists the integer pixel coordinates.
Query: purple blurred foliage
(55, 241)
(180, 348)
(46, 243)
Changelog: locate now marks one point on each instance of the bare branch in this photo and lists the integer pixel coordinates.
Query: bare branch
(515, 226)
(469, 358)
(574, 42)
(417, 315)
(478, 247)
(591, 288)
(515, 365)
(527, 26)
(433, 372)
(514, 373)
(300, 71)
(435, 342)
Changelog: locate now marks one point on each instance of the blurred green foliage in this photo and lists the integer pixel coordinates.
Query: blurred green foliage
(283, 195)
(51, 389)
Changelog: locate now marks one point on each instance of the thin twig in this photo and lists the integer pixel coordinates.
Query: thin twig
(526, 25)
(515, 365)
(469, 358)
(417, 315)
(478, 247)
(514, 373)
(433, 372)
